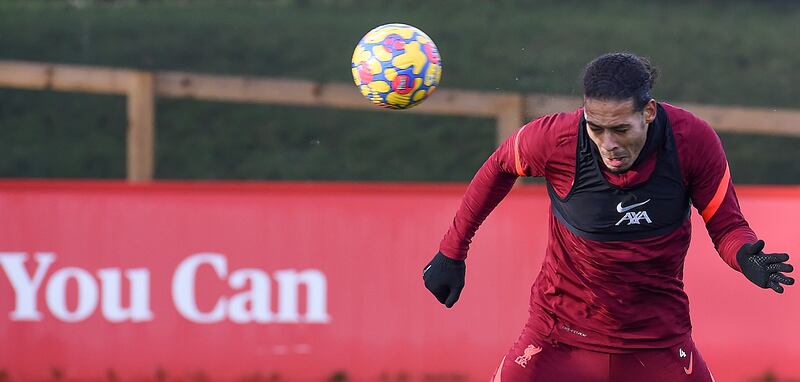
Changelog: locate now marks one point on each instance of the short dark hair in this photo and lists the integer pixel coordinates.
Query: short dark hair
(619, 76)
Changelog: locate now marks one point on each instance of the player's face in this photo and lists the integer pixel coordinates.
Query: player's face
(618, 130)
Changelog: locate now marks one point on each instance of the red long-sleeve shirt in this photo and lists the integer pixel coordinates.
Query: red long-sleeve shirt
(609, 296)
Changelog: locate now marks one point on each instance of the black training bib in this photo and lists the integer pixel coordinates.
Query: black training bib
(596, 210)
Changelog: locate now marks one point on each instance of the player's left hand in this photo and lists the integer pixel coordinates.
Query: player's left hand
(764, 269)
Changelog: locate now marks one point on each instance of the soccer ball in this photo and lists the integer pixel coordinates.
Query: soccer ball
(396, 66)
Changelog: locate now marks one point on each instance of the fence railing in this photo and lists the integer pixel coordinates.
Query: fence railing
(142, 87)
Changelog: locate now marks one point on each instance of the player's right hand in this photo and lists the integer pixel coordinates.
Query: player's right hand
(444, 277)
(764, 269)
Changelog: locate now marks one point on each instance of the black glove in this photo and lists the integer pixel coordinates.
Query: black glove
(764, 269)
(444, 277)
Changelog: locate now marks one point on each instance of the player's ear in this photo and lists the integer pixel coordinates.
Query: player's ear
(650, 111)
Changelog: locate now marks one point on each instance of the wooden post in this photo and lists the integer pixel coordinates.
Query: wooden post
(141, 129)
(511, 110)
(537, 105)
(510, 115)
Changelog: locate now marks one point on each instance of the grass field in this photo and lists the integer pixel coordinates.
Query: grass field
(735, 52)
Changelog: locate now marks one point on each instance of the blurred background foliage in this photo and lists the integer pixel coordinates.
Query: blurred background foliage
(715, 52)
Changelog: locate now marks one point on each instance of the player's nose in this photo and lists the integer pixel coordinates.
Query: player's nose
(608, 142)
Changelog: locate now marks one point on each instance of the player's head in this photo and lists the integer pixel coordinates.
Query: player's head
(618, 106)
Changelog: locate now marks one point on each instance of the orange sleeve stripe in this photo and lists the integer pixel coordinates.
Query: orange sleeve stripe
(716, 201)
(520, 171)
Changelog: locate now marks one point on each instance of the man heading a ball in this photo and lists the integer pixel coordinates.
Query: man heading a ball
(622, 173)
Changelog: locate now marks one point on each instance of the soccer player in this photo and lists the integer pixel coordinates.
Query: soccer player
(622, 172)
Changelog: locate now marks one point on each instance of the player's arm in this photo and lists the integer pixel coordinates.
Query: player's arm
(713, 195)
(444, 274)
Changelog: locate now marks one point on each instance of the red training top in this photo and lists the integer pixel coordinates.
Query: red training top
(609, 296)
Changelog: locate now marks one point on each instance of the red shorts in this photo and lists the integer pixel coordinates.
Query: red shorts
(532, 359)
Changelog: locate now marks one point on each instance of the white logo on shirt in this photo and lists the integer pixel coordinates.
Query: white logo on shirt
(622, 209)
(634, 217)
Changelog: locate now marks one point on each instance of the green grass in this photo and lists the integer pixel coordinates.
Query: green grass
(64, 135)
(734, 52)
(224, 141)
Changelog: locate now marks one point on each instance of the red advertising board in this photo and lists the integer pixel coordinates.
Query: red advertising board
(312, 281)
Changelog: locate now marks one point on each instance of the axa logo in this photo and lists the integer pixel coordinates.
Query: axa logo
(633, 217)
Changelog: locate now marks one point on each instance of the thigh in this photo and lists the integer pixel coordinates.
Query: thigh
(680, 363)
(532, 359)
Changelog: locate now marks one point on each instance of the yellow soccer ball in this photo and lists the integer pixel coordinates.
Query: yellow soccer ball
(396, 66)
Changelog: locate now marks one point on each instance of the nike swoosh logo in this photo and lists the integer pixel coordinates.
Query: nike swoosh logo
(622, 209)
(426, 269)
(689, 369)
